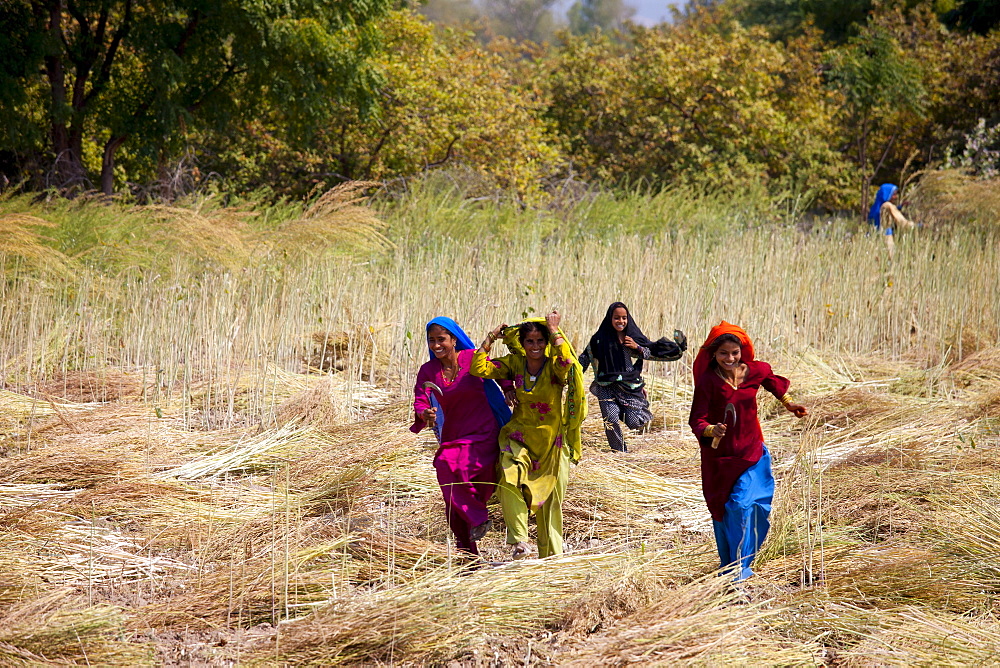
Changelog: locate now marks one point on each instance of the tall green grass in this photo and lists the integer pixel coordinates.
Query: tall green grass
(444, 209)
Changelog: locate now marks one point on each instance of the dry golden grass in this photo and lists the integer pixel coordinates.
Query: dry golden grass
(336, 221)
(51, 631)
(327, 526)
(951, 197)
(704, 622)
(321, 542)
(214, 466)
(21, 241)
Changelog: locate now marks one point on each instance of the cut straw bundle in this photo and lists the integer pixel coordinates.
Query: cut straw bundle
(20, 406)
(443, 614)
(28, 495)
(922, 428)
(605, 486)
(84, 553)
(896, 636)
(57, 634)
(705, 622)
(261, 452)
(78, 467)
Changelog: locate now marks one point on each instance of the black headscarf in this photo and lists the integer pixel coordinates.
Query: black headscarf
(609, 353)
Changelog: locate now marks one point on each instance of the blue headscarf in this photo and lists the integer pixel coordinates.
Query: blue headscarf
(885, 193)
(494, 395)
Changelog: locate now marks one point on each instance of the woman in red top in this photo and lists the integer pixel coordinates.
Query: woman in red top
(735, 465)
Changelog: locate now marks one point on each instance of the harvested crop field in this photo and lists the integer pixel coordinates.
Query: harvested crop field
(214, 468)
(130, 537)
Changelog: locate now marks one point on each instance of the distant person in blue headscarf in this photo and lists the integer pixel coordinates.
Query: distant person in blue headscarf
(886, 216)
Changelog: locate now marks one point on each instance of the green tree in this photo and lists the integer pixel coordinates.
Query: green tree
(702, 102)
(20, 53)
(837, 19)
(445, 102)
(979, 16)
(117, 71)
(960, 76)
(883, 92)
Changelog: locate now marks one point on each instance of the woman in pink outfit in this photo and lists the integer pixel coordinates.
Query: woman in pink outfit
(466, 413)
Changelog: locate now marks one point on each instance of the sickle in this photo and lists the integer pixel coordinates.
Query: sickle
(431, 385)
(730, 409)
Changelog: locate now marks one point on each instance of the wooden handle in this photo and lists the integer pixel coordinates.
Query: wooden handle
(715, 442)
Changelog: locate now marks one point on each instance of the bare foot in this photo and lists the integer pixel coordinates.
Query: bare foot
(521, 551)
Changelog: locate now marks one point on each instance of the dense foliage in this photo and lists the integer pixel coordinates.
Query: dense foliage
(704, 103)
(810, 101)
(92, 76)
(444, 100)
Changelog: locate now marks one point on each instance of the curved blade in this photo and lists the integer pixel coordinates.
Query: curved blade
(730, 411)
(431, 385)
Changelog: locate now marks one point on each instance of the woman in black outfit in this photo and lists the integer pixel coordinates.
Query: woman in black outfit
(617, 351)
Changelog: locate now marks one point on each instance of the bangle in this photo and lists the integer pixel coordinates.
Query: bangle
(709, 431)
(786, 400)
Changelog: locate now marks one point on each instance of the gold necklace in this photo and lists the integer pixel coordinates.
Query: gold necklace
(728, 382)
(452, 370)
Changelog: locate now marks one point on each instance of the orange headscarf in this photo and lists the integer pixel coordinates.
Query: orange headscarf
(702, 360)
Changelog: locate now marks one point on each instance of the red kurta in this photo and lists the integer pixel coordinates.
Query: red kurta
(743, 443)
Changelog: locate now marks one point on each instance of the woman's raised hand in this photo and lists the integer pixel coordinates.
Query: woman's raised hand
(428, 415)
(629, 343)
(552, 320)
(493, 336)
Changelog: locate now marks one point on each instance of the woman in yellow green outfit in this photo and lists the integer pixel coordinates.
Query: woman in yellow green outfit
(543, 436)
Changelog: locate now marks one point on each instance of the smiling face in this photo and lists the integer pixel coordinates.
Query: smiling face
(441, 342)
(534, 345)
(728, 356)
(619, 319)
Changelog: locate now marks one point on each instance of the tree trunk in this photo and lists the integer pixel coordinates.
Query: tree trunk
(67, 171)
(108, 164)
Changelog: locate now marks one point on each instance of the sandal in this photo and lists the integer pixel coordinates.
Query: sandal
(520, 551)
(478, 531)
